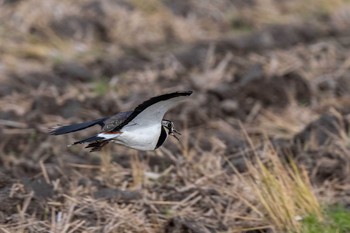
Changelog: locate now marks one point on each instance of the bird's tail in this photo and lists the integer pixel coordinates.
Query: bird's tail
(95, 142)
(94, 138)
(76, 127)
(97, 146)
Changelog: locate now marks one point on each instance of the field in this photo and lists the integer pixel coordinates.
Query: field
(265, 143)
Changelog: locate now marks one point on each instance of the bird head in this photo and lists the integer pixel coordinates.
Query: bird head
(169, 128)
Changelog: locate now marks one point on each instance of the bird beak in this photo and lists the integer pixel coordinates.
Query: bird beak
(174, 135)
(174, 132)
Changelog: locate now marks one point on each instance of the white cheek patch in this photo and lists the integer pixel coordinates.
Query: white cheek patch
(108, 135)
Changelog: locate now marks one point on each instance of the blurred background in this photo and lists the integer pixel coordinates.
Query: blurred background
(265, 73)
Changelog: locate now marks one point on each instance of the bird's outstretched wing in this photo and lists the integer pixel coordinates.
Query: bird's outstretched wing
(152, 111)
(76, 127)
(95, 142)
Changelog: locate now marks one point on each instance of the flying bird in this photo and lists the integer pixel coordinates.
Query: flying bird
(143, 128)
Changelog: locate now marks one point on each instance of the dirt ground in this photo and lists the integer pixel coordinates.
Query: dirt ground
(271, 71)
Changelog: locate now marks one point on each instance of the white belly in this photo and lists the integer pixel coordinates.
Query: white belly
(140, 138)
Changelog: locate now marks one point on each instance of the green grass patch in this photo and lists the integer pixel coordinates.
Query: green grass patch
(101, 87)
(337, 220)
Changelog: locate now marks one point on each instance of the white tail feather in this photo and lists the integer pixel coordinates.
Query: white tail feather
(107, 135)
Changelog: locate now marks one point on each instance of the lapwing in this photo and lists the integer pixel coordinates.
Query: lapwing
(143, 128)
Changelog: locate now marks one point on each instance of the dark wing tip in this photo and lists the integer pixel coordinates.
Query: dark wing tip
(58, 130)
(54, 130)
(184, 93)
(167, 96)
(159, 98)
(189, 92)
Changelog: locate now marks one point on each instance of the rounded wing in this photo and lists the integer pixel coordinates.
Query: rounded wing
(152, 111)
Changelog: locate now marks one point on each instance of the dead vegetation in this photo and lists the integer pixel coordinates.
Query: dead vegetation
(270, 80)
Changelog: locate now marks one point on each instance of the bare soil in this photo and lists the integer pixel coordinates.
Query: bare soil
(270, 71)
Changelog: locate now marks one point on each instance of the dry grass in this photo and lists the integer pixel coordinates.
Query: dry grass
(110, 55)
(283, 191)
